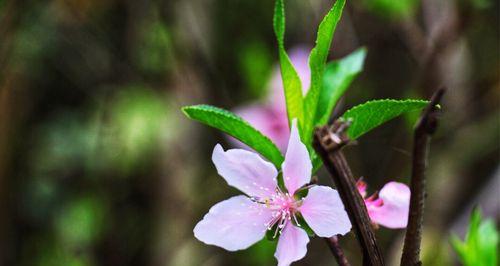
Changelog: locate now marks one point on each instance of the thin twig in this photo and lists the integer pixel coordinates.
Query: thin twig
(327, 143)
(338, 253)
(425, 127)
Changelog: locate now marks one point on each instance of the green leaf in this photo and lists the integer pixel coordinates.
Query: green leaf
(303, 224)
(317, 62)
(236, 127)
(337, 78)
(367, 116)
(481, 242)
(291, 80)
(270, 234)
(317, 162)
(488, 236)
(458, 246)
(261, 253)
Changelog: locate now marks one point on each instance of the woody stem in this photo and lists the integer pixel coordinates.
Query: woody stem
(338, 253)
(328, 148)
(424, 129)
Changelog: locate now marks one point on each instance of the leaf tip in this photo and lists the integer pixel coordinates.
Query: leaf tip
(186, 110)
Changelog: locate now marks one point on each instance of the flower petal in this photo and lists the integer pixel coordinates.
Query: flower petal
(292, 245)
(246, 171)
(361, 185)
(233, 224)
(396, 203)
(271, 122)
(324, 212)
(297, 166)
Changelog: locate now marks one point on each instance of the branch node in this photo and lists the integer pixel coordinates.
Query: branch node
(334, 137)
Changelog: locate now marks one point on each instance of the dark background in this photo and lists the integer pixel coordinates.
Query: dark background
(99, 167)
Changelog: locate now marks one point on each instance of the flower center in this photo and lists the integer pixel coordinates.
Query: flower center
(284, 208)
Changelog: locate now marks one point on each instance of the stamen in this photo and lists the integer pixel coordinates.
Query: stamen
(295, 218)
(276, 231)
(257, 200)
(284, 207)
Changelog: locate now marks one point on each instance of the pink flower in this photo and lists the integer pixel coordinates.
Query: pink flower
(390, 207)
(241, 221)
(270, 117)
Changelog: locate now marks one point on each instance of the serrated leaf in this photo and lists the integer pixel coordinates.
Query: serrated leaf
(338, 76)
(458, 246)
(317, 62)
(481, 242)
(236, 127)
(291, 81)
(367, 116)
(488, 235)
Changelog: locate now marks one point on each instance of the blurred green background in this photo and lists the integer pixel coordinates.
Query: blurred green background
(99, 167)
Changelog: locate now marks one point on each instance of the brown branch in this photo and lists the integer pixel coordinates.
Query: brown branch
(425, 127)
(10, 17)
(336, 249)
(327, 143)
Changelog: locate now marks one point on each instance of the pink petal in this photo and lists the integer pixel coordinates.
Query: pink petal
(324, 212)
(297, 166)
(292, 245)
(396, 203)
(361, 185)
(233, 224)
(269, 121)
(246, 171)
